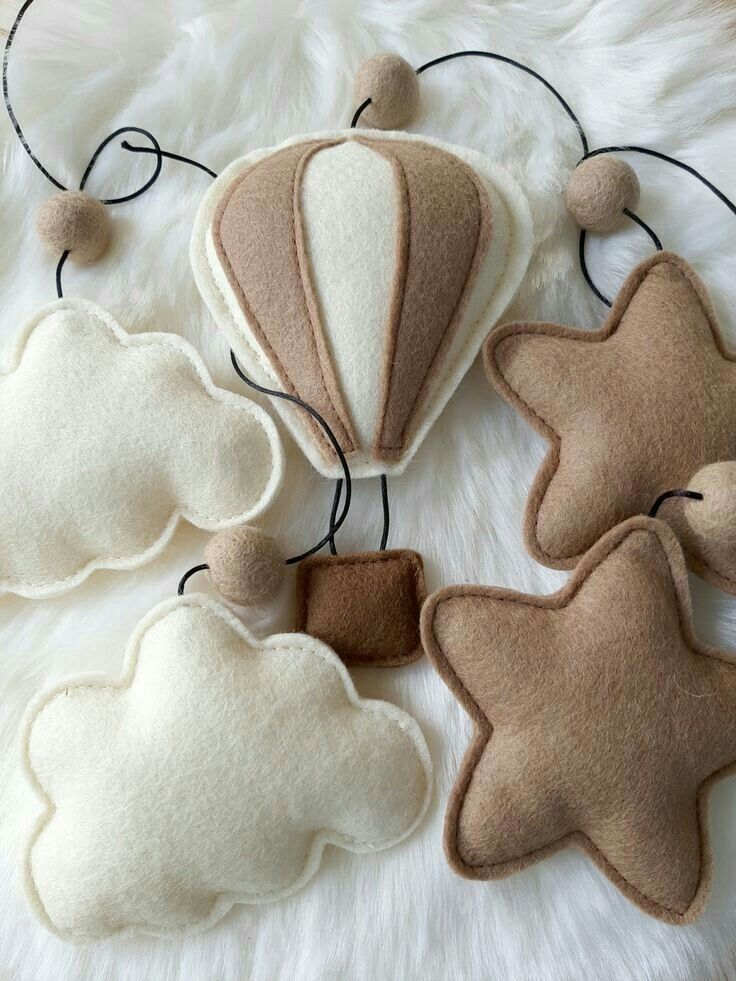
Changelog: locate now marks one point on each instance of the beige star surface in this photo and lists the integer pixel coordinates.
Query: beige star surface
(630, 411)
(599, 722)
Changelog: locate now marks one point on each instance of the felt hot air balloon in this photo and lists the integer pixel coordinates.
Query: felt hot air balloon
(359, 272)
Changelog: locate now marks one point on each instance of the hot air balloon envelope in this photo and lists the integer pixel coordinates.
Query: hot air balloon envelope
(361, 271)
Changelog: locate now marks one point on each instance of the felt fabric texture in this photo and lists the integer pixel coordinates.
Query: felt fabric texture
(349, 314)
(246, 566)
(365, 607)
(462, 240)
(442, 229)
(392, 85)
(213, 80)
(444, 233)
(598, 191)
(76, 222)
(600, 722)
(630, 411)
(714, 518)
(257, 234)
(108, 439)
(213, 772)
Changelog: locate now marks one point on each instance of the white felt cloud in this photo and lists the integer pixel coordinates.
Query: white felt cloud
(212, 774)
(107, 439)
(361, 270)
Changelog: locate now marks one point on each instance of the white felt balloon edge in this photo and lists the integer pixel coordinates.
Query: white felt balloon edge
(321, 839)
(273, 485)
(217, 295)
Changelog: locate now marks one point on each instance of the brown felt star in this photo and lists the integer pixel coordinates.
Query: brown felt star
(631, 410)
(599, 722)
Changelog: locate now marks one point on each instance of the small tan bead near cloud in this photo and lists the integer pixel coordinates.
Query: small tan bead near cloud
(75, 222)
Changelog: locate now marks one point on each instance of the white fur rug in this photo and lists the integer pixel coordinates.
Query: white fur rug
(215, 79)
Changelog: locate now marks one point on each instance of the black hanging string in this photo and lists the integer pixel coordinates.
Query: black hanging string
(188, 575)
(386, 513)
(334, 524)
(581, 252)
(6, 96)
(155, 148)
(691, 495)
(169, 156)
(587, 153)
(333, 514)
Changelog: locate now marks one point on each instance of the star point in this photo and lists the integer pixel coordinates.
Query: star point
(600, 721)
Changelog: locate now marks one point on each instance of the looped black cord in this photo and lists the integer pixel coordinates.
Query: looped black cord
(188, 575)
(691, 495)
(169, 156)
(274, 393)
(144, 187)
(155, 148)
(581, 252)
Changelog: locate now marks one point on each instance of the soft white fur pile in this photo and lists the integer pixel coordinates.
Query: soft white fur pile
(359, 344)
(108, 440)
(213, 772)
(218, 79)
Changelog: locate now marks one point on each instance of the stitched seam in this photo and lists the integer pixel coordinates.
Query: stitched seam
(361, 705)
(252, 321)
(554, 455)
(400, 291)
(303, 273)
(460, 307)
(354, 563)
(98, 562)
(481, 748)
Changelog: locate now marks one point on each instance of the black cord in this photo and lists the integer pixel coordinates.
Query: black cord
(155, 148)
(333, 514)
(359, 112)
(581, 252)
(671, 160)
(691, 495)
(386, 512)
(188, 575)
(274, 393)
(524, 68)
(6, 96)
(169, 156)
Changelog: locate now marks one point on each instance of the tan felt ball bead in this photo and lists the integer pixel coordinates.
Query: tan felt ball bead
(599, 190)
(75, 222)
(715, 516)
(393, 88)
(246, 565)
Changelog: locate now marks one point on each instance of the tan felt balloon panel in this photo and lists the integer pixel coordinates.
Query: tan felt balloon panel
(361, 272)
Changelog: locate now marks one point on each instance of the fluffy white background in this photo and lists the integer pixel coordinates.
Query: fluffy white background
(217, 79)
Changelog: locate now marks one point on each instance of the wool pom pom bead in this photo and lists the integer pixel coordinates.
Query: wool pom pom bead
(393, 88)
(599, 190)
(75, 222)
(246, 565)
(715, 516)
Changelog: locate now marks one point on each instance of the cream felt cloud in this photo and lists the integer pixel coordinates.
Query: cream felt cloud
(361, 270)
(107, 439)
(213, 773)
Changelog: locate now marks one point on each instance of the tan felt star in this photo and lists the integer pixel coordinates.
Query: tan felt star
(599, 722)
(630, 410)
